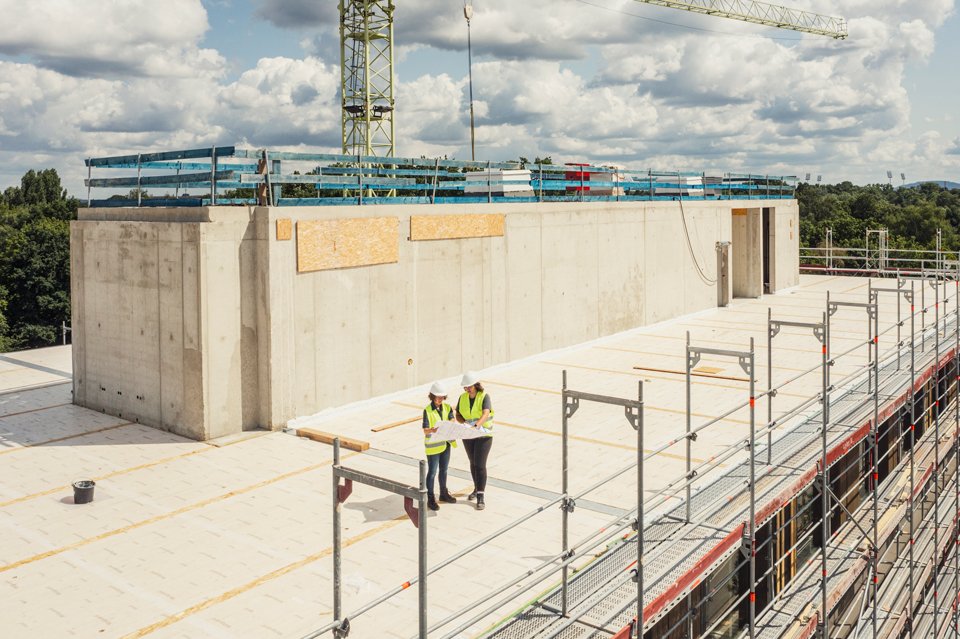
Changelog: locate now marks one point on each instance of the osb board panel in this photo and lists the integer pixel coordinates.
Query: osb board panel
(454, 227)
(329, 244)
(739, 211)
(284, 229)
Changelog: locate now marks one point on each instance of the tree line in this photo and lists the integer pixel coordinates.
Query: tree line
(34, 261)
(35, 240)
(910, 215)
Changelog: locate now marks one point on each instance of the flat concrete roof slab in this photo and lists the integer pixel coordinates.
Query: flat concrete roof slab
(232, 538)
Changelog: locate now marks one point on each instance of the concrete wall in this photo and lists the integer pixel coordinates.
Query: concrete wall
(198, 321)
(164, 321)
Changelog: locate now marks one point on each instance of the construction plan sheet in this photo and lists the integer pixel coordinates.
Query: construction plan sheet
(450, 431)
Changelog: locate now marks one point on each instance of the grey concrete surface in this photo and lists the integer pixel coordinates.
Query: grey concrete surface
(197, 321)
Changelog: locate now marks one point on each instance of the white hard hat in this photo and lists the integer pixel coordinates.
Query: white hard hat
(438, 390)
(469, 379)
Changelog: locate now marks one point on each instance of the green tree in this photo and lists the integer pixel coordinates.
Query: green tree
(34, 260)
(911, 215)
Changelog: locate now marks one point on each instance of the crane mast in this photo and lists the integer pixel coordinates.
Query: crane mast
(366, 58)
(366, 77)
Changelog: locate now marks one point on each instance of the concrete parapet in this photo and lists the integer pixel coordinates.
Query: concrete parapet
(199, 321)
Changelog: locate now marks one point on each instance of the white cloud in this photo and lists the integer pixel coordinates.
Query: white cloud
(551, 78)
(110, 37)
(284, 102)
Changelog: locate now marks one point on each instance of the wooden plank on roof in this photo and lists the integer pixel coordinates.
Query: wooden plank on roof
(345, 243)
(327, 438)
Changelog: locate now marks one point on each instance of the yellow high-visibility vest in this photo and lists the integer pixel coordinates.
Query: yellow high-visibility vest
(476, 411)
(433, 416)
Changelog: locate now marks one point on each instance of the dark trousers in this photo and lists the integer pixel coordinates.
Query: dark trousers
(477, 452)
(438, 463)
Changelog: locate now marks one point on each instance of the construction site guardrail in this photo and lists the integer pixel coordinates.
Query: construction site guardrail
(232, 176)
(649, 508)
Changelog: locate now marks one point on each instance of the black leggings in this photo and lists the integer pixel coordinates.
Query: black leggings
(477, 452)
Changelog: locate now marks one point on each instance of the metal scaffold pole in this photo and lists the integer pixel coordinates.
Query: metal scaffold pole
(773, 329)
(689, 366)
(824, 476)
(899, 323)
(417, 515)
(770, 392)
(747, 362)
(956, 457)
(873, 314)
(422, 543)
(936, 452)
(564, 505)
(913, 445)
(640, 585)
(923, 307)
(871, 380)
(872, 383)
(337, 542)
(753, 493)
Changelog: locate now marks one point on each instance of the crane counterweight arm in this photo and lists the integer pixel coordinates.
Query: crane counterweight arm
(770, 15)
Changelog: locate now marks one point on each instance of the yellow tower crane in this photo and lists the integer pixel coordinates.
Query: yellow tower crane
(366, 56)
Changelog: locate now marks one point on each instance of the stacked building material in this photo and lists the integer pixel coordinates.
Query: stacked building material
(499, 183)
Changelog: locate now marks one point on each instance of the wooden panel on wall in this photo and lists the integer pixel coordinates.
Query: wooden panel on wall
(329, 244)
(454, 227)
(284, 229)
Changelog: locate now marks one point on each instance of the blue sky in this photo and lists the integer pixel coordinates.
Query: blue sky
(611, 81)
(932, 86)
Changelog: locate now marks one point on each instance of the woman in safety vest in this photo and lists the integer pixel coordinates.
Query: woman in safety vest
(438, 453)
(475, 408)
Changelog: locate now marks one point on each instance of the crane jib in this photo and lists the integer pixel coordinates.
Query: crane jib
(771, 15)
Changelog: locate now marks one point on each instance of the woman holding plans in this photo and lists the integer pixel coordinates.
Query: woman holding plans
(475, 408)
(438, 453)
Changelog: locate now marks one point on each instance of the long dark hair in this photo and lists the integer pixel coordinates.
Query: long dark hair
(479, 387)
(433, 397)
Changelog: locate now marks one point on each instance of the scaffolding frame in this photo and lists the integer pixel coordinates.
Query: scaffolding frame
(858, 528)
(877, 258)
(417, 515)
(876, 242)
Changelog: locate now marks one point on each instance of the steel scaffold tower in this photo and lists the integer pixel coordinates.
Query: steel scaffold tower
(366, 77)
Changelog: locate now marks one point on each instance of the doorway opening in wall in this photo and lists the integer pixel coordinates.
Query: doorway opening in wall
(746, 252)
(768, 250)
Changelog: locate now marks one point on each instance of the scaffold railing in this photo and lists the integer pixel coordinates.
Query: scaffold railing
(227, 175)
(840, 452)
(876, 258)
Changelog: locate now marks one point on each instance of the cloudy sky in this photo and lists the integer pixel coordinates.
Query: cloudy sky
(611, 81)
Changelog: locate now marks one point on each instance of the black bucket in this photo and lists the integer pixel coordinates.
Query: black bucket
(83, 491)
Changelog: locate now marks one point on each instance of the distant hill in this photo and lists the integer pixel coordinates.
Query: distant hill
(947, 184)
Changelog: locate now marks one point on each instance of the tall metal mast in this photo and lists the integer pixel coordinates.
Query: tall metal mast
(366, 77)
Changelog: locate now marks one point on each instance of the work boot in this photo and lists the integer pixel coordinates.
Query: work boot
(432, 503)
(447, 498)
(480, 504)
(472, 495)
